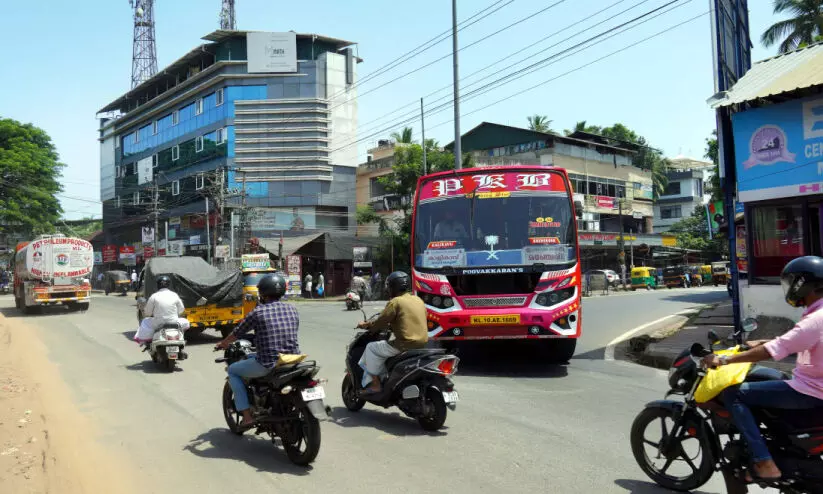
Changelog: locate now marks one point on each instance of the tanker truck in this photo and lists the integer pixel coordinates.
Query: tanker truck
(52, 269)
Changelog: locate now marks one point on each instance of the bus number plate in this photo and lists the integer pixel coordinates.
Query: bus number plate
(505, 319)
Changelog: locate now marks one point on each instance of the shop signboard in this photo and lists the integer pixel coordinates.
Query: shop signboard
(294, 272)
(109, 253)
(98, 257)
(221, 251)
(128, 256)
(779, 150)
(605, 202)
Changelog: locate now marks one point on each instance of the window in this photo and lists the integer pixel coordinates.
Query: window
(154, 128)
(672, 189)
(376, 187)
(175, 153)
(198, 106)
(175, 188)
(699, 187)
(670, 212)
(175, 117)
(198, 144)
(221, 136)
(136, 137)
(136, 199)
(777, 238)
(199, 180)
(218, 97)
(154, 161)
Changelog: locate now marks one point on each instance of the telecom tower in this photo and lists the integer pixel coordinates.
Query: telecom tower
(227, 20)
(144, 53)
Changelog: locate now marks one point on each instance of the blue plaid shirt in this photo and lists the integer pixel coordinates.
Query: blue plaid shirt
(275, 328)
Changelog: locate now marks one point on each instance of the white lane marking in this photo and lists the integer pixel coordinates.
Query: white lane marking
(609, 353)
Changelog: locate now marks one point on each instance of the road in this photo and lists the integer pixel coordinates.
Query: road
(520, 427)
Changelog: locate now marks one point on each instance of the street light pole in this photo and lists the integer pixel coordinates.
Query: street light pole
(458, 150)
(423, 132)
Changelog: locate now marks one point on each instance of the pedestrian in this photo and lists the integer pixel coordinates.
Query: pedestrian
(307, 286)
(321, 285)
(100, 280)
(134, 279)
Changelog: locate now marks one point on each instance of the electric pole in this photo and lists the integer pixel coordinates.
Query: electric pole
(458, 150)
(423, 132)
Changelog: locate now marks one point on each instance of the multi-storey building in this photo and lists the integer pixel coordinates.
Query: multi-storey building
(258, 120)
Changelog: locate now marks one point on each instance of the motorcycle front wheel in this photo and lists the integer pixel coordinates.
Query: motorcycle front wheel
(681, 463)
(302, 439)
(352, 402)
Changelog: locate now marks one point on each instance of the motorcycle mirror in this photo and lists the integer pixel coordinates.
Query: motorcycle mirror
(365, 318)
(749, 325)
(714, 338)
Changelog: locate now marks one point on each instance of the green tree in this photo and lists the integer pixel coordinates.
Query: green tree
(712, 154)
(693, 233)
(29, 173)
(804, 24)
(539, 123)
(81, 229)
(404, 136)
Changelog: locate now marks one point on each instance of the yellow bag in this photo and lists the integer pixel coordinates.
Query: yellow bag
(725, 376)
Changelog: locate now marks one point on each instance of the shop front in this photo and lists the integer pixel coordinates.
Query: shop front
(779, 166)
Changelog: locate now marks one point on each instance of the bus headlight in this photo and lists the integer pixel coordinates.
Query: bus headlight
(448, 302)
(555, 297)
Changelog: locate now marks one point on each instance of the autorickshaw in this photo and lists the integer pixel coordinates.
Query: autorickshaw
(644, 277)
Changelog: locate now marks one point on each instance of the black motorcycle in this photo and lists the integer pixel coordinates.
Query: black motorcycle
(286, 403)
(678, 443)
(418, 382)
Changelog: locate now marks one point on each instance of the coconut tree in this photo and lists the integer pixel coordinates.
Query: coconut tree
(539, 123)
(404, 136)
(805, 23)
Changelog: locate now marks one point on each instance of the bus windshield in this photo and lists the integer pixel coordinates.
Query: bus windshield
(507, 228)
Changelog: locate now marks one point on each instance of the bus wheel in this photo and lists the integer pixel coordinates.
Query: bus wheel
(561, 350)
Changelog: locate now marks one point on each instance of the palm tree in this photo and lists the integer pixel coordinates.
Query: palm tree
(802, 27)
(539, 123)
(404, 136)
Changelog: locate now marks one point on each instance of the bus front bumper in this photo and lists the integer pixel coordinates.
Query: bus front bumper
(518, 323)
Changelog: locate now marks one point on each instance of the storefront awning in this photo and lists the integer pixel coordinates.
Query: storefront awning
(290, 244)
(777, 75)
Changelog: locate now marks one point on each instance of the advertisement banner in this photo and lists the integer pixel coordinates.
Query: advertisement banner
(148, 235)
(194, 240)
(145, 171)
(174, 221)
(177, 248)
(268, 52)
(128, 256)
(109, 253)
(255, 261)
(779, 150)
(148, 251)
(294, 219)
(715, 213)
(492, 184)
(294, 272)
(605, 202)
(98, 257)
(742, 253)
(222, 251)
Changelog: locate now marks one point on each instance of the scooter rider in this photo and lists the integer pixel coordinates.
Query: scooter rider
(406, 314)
(163, 307)
(802, 281)
(275, 326)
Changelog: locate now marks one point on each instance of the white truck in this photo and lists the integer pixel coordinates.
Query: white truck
(52, 269)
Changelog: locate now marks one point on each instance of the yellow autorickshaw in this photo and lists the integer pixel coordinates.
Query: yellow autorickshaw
(706, 273)
(254, 268)
(720, 273)
(644, 277)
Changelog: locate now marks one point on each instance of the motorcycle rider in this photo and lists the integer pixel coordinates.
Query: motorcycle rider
(358, 284)
(802, 281)
(406, 314)
(163, 307)
(275, 325)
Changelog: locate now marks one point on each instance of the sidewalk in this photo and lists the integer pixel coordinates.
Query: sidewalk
(661, 343)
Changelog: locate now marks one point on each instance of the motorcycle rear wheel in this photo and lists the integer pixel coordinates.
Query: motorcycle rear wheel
(700, 473)
(230, 413)
(306, 432)
(437, 412)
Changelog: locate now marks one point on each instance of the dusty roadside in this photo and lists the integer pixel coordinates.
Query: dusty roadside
(46, 444)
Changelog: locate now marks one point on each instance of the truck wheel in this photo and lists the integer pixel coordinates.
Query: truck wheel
(83, 306)
(225, 330)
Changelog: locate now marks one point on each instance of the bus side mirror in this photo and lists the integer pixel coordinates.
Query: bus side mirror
(578, 209)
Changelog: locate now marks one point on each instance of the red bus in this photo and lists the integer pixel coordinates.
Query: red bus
(495, 256)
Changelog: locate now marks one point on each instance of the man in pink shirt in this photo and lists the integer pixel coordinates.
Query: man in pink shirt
(802, 281)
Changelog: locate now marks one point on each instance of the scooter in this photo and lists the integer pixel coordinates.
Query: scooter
(418, 382)
(166, 346)
(352, 300)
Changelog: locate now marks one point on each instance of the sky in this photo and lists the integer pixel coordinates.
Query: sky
(66, 60)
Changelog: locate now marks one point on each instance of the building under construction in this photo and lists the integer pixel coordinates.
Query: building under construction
(249, 135)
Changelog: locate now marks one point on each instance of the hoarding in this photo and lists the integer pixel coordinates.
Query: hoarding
(294, 219)
(109, 253)
(148, 235)
(98, 257)
(779, 150)
(268, 52)
(145, 172)
(128, 256)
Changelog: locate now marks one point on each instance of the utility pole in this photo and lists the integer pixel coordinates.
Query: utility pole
(156, 198)
(631, 246)
(208, 238)
(243, 214)
(423, 131)
(621, 244)
(458, 150)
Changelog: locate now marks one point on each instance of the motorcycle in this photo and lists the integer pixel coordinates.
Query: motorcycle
(166, 346)
(4, 288)
(286, 403)
(794, 437)
(418, 382)
(352, 300)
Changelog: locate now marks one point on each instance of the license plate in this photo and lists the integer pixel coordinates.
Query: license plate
(316, 393)
(172, 355)
(209, 318)
(504, 319)
(450, 396)
(170, 349)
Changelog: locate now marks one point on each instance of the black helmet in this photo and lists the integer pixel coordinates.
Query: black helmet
(163, 281)
(398, 283)
(272, 286)
(801, 277)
